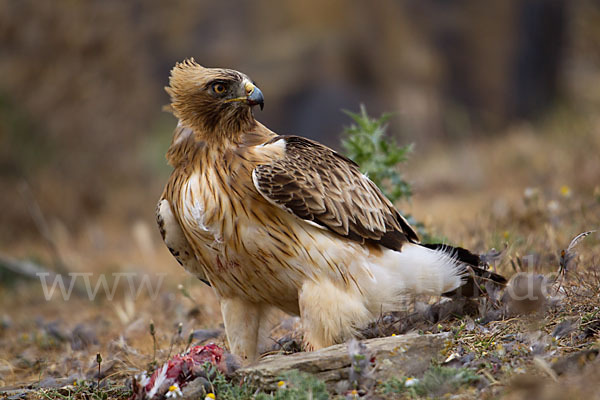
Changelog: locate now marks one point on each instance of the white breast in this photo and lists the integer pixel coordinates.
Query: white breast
(199, 212)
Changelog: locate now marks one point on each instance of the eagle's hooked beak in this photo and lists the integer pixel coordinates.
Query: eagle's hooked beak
(254, 96)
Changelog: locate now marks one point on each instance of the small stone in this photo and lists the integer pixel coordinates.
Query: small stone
(564, 328)
(202, 335)
(196, 389)
(56, 330)
(48, 383)
(82, 337)
(5, 322)
(574, 363)
(526, 294)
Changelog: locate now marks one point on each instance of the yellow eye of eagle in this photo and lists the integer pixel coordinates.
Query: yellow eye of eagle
(218, 88)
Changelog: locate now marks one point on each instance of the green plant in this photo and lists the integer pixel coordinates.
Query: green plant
(438, 381)
(224, 388)
(378, 156)
(86, 389)
(393, 386)
(296, 385)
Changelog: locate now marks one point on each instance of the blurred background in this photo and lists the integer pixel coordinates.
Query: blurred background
(500, 98)
(83, 137)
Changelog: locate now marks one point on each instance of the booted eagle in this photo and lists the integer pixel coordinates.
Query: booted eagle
(283, 222)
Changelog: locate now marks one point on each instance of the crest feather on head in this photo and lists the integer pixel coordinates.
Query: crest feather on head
(184, 76)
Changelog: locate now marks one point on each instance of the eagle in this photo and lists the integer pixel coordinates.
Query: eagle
(276, 222)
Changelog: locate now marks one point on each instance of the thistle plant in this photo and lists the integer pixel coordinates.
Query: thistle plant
(365, 142)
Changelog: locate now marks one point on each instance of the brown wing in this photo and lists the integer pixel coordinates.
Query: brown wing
(319, 185)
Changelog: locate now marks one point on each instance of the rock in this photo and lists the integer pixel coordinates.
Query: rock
(565, 328)
(592, 328)
(393, 356)
(232, 364)
(575, 362)
(202, 335)
(5, 322)
(27, 358)
(56, 330)
(526, 294)
(48, 383)
(17, 394)
(12, 269)
(196, 389)
(82, 337)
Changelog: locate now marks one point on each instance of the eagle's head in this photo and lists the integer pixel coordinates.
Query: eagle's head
(213, 102)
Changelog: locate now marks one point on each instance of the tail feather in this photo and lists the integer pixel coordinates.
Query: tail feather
(416, 270)
(478, 271)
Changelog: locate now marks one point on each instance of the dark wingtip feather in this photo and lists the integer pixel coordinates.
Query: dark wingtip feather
(459, 253)
(479, 274)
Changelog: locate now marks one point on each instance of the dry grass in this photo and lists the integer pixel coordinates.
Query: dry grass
(476, 195)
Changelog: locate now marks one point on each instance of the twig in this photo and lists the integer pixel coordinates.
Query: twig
(153, 333)
(25, 268)
(189, 342)
(173, 338)
(42, 225)
(99, 361)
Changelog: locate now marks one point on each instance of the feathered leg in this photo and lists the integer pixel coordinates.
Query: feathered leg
(268, 319)
(242, 320)
(247, 326)
(330, 313)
